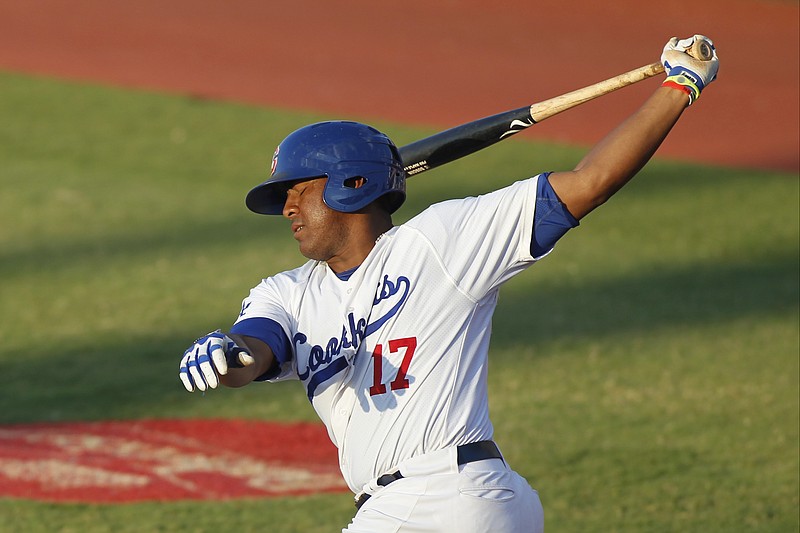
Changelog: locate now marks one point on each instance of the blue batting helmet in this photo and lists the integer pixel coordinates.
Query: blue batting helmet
(339, 151)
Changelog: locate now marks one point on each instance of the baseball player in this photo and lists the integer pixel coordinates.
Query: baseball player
(387, 327)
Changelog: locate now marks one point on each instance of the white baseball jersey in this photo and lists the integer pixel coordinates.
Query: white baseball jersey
(394, 359)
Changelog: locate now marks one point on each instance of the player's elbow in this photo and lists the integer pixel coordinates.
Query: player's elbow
(582, 192)
(600, 186)
(587, 188)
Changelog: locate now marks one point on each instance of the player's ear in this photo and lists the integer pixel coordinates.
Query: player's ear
(355, 183)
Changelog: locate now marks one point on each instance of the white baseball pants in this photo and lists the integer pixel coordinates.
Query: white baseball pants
(436, 495)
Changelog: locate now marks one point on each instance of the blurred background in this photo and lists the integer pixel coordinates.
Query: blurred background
(432, 63)
(643, 378)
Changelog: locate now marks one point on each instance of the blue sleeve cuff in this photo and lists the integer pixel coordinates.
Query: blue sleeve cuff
(271, 333)
(551, 220)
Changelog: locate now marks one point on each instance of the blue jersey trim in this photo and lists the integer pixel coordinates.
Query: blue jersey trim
(345, 275)
(551, 220)
(271, 333)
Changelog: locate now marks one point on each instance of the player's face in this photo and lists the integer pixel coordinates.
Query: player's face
(323, 233)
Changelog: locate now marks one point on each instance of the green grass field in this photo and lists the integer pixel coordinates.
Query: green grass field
(643, 378)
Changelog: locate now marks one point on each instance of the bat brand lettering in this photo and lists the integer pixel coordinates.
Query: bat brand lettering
(418, 167)
(423, 163)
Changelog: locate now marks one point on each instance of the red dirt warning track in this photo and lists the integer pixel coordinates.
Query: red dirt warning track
(434, 63)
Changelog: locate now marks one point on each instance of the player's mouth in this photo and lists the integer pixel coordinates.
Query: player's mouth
(297, 229)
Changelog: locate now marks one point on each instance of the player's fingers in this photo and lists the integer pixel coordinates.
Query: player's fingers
(210, 376)
(244, 358)
(186, 379)
(194, 371)
(239, 358)
(217, 351)
(684, 44)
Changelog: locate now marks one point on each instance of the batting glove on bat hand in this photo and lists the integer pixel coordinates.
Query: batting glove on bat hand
(686, 72)
(210, 356)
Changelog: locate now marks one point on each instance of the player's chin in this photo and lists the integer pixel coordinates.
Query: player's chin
(310, 251)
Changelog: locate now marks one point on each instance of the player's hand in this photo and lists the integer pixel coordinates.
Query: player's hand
(209, 357)
(686, 70)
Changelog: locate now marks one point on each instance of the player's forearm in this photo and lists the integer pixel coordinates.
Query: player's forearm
(262, 362)
(238, 377)
(621, 154)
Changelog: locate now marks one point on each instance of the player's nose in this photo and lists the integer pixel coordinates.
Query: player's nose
(289, 208)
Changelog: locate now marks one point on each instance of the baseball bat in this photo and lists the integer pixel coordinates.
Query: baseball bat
(463, 140)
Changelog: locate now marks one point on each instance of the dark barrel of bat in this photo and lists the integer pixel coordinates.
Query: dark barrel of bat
(462, 140)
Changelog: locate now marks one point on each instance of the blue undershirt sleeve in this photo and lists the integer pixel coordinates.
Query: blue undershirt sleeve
(551, 219)
(271, 333)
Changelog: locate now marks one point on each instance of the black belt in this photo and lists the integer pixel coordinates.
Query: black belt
(467, 453)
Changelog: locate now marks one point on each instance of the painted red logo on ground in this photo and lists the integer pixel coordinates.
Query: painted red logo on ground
(165, 460)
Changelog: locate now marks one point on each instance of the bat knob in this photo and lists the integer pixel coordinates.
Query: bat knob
(702, 50)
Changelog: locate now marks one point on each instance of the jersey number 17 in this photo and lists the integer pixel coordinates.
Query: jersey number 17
(400, 381)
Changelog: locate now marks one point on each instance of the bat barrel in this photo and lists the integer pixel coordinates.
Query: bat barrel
(463, 140)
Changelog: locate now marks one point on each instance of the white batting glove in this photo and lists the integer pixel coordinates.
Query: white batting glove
(686, 72)
(209, 357)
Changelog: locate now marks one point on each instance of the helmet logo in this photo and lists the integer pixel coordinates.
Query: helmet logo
(274, 161)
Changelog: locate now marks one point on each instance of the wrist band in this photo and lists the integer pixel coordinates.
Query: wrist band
(682, 83)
